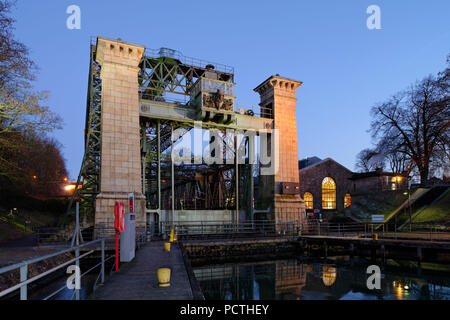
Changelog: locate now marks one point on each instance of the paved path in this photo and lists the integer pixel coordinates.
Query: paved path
(137, 280)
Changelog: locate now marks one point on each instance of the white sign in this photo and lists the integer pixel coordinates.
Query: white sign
(378, 218)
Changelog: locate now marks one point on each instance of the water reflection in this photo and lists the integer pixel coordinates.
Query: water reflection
(328, 276)
(339, 278)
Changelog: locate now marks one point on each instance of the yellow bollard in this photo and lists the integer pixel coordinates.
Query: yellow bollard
(163, 277)
(167, 246)
(375, 236)
(171, 236)
(175, 239)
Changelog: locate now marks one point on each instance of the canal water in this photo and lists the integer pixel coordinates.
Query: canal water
(333, 278)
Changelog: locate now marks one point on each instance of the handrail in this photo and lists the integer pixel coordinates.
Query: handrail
(270, 228)
(48, 256)
(23, 266)
(26, 282)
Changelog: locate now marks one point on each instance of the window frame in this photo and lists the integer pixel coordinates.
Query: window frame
(328, 194)
(308, 201)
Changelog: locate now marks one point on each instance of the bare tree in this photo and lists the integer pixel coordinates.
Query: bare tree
(20, 106)
(398, 160)
(22, 115)
(17, 70)
(369, 160)
(416, 123)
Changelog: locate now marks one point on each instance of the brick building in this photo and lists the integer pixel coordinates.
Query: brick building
(324, 184)
(378, 180)
(328, 186)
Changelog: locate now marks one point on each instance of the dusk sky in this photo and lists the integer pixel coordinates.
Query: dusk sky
(345, 67)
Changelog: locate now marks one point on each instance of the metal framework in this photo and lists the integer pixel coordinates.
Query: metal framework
(207, 92)
(197, 186)
(88, 182)
(168, 71)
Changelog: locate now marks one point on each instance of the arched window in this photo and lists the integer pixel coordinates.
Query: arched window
(347, 200)
(328, 193)
(308, 197)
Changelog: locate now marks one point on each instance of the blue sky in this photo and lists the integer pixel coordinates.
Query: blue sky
(345, 67)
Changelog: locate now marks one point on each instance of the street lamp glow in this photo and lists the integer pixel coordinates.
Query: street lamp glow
(69, 187)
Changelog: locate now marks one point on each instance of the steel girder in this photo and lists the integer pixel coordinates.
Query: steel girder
(218, 184)
(173, 75)
(88, 182)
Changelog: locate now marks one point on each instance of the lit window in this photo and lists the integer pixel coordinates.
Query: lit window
(308, 197)
(328, 193)
(396, 182)
(347, 200)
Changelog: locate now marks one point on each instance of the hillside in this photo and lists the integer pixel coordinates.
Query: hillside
(385, 202)
(18, 218)
(427, 205)
(438, 211)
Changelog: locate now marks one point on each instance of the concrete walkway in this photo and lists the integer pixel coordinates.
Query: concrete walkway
(137, 280)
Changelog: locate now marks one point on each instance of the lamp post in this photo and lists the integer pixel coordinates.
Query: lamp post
(409, 204)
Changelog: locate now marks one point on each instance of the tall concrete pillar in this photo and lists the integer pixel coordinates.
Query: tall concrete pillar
(278, 94)
(120, 153)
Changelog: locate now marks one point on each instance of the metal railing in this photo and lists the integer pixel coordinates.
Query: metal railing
(23, 267)
(225, 229)
(249, 110)
(183, 100)
(270, 228)
(254, 111)
(102, 230)
(49, 235)
(423, 231)
(165, 52)
(105, 239)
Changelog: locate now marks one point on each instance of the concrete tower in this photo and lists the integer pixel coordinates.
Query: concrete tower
(278, 95)
(120, 152)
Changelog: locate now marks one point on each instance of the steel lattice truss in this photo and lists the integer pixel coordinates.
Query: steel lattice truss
(167, 72)
(88, 182)
(197, 186)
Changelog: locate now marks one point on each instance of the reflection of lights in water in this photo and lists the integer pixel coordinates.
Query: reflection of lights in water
(328, 275)
(399, 293)
(401, 290)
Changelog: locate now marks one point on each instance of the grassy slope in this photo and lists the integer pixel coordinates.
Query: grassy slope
(16, 227)
(37, 218)
(376, 203)
(387, 202)
(439, 211)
